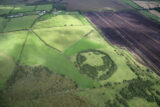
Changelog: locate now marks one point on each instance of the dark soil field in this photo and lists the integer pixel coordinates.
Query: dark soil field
(95, 5)
(131, 30)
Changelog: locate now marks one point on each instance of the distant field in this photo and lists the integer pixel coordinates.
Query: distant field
(96, 5)
(37, 53)
(61, 21)
(3, 22)
(63, 37)
(23, 8)
(5, 9)
(44, 7)
(19, 23)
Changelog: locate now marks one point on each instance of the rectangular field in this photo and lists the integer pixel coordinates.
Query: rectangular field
(44, 7)
(131, 30)
(23, 8)
(5, 9)
(20, 23)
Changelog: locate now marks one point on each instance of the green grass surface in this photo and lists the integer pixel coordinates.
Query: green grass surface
(11, 43)
(37, 53)
(6, 69)
(19, 23)
(44, 7)
(63, 37)
(3, 21)
(23, 8)
(62, 20)
(140, 102)
(5, 9)
(123, 71)
(95, 41)
(82, 44)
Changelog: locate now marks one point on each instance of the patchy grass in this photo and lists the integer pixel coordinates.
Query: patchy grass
(20, 23)
(6, 69)
(11, 43)
(140, 102)
(3, 22)
(44, 7)
(95, 41)
(37, 53)
(83, 44)
(5, 9)
(123, 72)
(63, 37)
(61, 21)
(23, 8)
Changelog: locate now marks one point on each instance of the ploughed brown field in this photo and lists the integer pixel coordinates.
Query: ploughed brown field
(131, 30)
(96, 5)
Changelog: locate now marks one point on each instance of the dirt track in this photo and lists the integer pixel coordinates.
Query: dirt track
(131, 30)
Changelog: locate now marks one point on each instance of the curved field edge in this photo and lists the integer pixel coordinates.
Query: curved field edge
(96, 41)
(37, 53)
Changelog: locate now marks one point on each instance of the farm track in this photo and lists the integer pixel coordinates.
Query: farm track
(131, 30)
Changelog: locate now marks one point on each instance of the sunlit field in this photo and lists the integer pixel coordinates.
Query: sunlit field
(74, 53)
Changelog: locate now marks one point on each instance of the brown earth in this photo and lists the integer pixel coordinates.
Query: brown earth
(131, 30)
(95, 5)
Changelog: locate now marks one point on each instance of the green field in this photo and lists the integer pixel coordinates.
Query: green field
(63, 37)
(20, 23)
(3, 21)
(23, 8)
(61, 21)
(44, 7)
(4, 9)
(11, 45)
(61, 59)
(95, 41)
(55, 61)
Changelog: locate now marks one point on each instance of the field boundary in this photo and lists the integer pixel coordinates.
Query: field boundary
(21, 52)
(45, 42)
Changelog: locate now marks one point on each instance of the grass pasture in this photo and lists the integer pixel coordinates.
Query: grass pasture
(11, 43)
(95, 41)
(20, 23)
(3, 22)
(81, 45)
(5, 9)
(37, 53)
(61, 21)
(63, 37)
(23, 8)
(44, 7)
